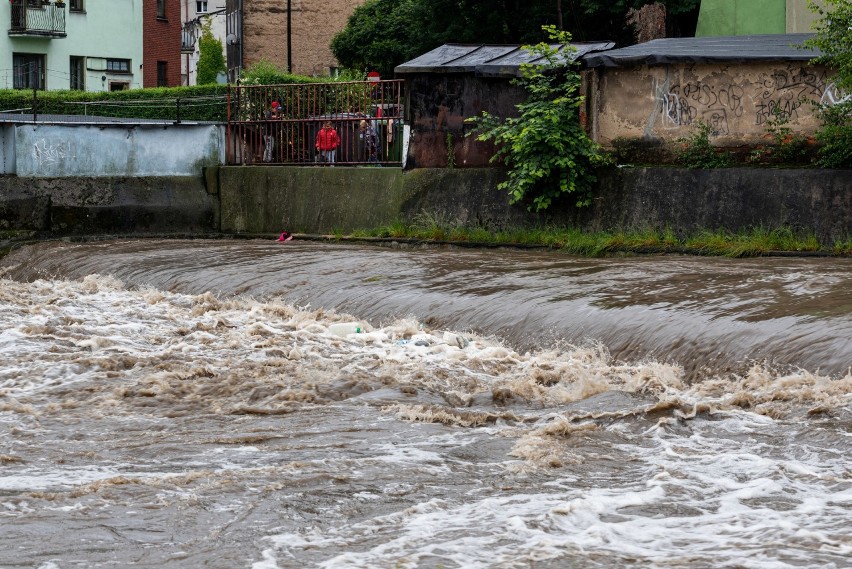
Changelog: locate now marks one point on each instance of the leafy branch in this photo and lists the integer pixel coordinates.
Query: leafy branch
(546, 149)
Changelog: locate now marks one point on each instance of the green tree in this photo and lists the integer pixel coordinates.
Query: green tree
(546, 149)
(381, 34)
(211, 59)
(834, 39)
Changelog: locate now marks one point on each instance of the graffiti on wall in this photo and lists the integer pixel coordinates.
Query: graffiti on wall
(834, 96)
(780, 95)
(683, 105)
(46, 154)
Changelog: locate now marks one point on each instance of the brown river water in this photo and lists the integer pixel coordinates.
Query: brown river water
(168, 403)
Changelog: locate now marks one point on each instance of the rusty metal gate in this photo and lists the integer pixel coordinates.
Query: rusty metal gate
(279, 124)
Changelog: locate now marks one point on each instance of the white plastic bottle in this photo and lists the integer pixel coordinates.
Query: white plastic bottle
(343, 329)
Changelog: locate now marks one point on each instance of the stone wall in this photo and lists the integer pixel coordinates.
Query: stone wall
(314, 23)
(663, 103)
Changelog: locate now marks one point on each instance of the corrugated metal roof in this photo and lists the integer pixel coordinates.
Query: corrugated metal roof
(732, 49)
(485, 60)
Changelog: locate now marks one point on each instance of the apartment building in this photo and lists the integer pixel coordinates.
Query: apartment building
(161, 36)
(195, 14)
(293, 34)
(89, 45)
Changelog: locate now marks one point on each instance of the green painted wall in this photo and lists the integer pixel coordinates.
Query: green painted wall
(741, 17)
(107, 29)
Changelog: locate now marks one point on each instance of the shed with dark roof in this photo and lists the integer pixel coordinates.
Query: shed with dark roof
(454, 82)
(661, 90)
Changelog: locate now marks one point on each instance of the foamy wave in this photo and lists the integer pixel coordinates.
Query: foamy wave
(242, 355)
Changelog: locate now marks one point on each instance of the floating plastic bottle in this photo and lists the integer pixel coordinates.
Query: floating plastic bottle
(343, 329)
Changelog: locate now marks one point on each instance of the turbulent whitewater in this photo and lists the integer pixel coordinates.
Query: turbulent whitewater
(192, 404)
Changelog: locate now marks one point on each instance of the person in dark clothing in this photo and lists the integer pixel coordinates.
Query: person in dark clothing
(269, 131)
(371, 142)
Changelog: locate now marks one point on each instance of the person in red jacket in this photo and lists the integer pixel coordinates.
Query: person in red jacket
(327, 143)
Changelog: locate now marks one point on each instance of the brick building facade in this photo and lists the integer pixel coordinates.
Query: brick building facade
(161, 34)
(313, 23)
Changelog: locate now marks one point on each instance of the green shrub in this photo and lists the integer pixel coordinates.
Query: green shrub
(835, 136)
(833, 38)
(785, 146)
(696, 150)
(546, 149)
(211, 60)
(198, 103)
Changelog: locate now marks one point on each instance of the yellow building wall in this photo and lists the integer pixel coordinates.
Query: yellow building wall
(664, 103)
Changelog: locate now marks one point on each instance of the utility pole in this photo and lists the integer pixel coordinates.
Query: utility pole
(289, 36)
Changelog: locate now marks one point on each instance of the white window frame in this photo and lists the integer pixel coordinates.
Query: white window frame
(201, 6)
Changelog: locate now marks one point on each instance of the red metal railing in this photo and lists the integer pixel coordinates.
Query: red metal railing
(257, 134)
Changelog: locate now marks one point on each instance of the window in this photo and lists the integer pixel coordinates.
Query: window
(28, 70)
(76, 5)
(118, 65)
(78, 73)
(162, 74)
(119, 85)
(161, 9)
(201, 7)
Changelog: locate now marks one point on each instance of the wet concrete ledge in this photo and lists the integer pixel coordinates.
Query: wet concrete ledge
(266, 200)
(340, 200)
(98, 205)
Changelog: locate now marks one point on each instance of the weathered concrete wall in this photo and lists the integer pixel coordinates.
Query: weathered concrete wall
(75, 206)
(666, 102)
(324, 200)
(7, 149)
(54, 150)
(818, 201)
(314, 23)
(274, 199)
(438, 106)
(327, 200)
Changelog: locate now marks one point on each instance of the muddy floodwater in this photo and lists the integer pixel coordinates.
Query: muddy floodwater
(209, 403)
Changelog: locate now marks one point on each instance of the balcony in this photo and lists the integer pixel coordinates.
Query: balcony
(188, 37)
(37, 18)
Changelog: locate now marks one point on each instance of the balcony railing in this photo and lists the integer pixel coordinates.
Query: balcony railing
(188, 37)
(37, 18)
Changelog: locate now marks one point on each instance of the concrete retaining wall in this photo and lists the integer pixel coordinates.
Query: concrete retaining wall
(7, 149)
(109, 150)
(80, 206)
(327, 200)
(324, 200)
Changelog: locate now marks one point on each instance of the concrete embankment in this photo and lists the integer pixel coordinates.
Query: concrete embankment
(324, 200)
(266, 200)
(98, 205)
